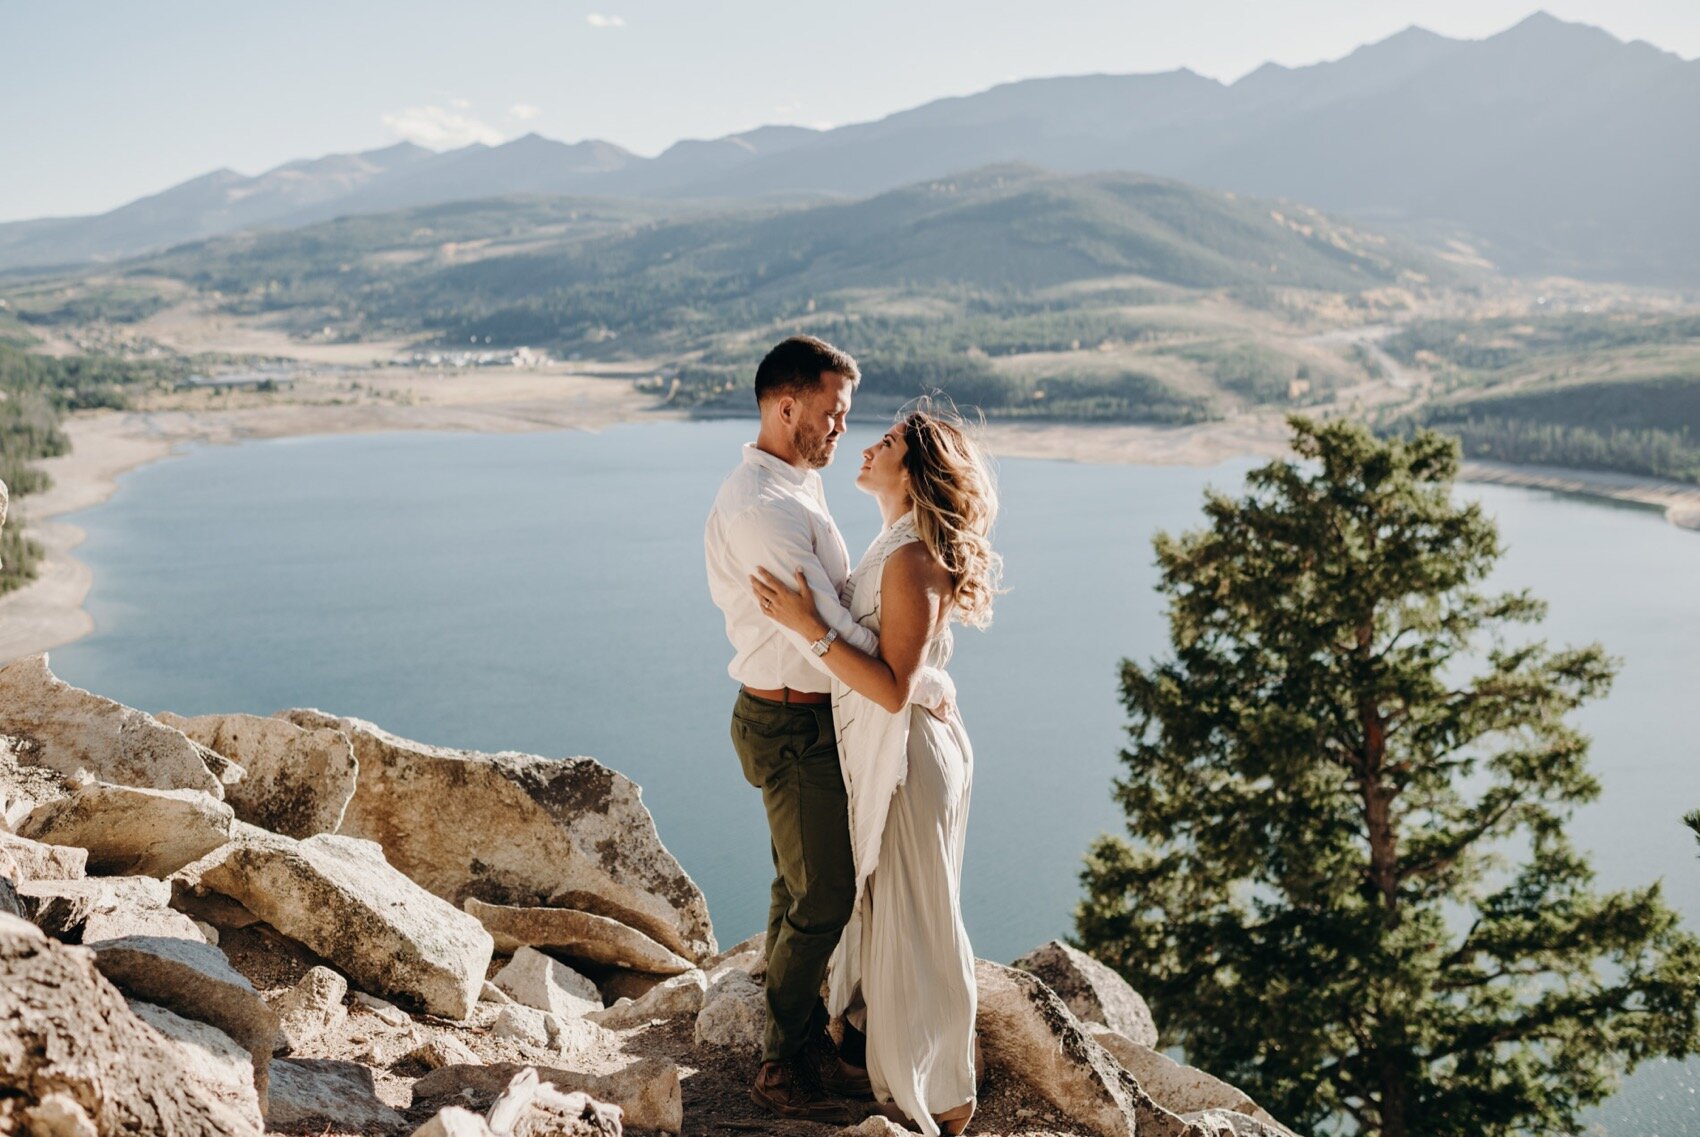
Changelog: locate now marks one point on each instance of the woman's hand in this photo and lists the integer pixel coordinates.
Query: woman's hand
(791, 608)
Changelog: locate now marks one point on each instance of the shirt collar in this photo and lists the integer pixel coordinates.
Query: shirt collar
(756, 456)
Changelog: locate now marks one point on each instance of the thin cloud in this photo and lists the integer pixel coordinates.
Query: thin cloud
(598, 20)
(439, 128)
(524, 112)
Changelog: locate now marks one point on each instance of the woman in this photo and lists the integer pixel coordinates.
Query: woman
(905, 956)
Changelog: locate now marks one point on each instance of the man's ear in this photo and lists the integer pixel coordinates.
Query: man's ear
(787, 406)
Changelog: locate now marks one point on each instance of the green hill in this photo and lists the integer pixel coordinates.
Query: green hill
(1018, 290)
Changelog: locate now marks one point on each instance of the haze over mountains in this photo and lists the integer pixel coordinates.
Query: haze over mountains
(1552, 147)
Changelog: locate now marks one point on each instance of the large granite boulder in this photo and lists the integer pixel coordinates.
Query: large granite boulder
(1027, 1032)
(195, 980)
(129, 830)
(1176, 1087)
(67, 729)
(1092, 991)
(75, 1059)
(210, 1057)
(580, 935)
(36, 860)
(104, 908)
(338, 896)
(734, 1012)
(298, 782)
(524, 831)
(647, 1090)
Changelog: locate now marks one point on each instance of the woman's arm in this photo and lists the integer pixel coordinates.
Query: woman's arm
(914, 589)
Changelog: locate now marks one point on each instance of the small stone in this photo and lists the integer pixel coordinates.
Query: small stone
(490, 993)
(647, 1090)
(444, 1050)
(386, 1011)
(521, 1024)
(311, 1008)
(672, 998)
(580, 935)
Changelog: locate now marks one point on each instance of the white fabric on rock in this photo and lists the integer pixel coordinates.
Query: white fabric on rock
(905, 952)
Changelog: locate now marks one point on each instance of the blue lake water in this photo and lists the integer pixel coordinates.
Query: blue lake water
(545, 593)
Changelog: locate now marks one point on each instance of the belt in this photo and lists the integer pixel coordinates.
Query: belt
(789, 697)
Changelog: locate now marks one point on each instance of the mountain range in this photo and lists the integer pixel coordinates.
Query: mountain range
(1552, 147)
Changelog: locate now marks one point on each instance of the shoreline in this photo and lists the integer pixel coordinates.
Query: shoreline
(105, 445)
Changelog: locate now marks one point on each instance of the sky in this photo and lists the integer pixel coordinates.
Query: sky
(109, 100)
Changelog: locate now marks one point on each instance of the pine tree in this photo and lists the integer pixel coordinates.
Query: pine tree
(1348, 888)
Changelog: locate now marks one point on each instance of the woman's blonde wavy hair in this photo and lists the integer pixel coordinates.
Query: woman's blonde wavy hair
(956, 500)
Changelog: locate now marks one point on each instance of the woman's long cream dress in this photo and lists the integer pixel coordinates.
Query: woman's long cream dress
(905, 955)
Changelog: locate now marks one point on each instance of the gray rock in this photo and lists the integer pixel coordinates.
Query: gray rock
(73, 1053)
(1027, 1032)
(298, 782)
(1094, 992)
(580, 935)
(535, 980)
(734, 1012)
(36, 860)
(322, 1092)
(132, 830)
(66, 729)
(213, 1058)
(194, 980)
(338, 896)
(647, 1090)
(311, 1008)
(669, 999)
(524, 831)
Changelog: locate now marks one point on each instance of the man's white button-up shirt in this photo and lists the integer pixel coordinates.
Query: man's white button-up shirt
(771, 514)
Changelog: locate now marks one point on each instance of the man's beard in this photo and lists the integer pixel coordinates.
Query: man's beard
(813, 449)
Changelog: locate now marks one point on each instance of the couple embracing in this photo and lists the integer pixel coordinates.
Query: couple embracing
(846, 722)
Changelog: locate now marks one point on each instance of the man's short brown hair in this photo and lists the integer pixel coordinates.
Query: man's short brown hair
(795, 365)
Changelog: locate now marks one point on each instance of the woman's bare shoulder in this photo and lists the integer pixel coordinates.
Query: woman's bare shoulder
(915, 564)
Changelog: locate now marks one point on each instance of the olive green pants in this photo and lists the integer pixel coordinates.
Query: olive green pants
(790, 753)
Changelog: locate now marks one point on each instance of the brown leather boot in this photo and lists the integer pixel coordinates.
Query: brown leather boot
(832, 1073)
(787, 1090)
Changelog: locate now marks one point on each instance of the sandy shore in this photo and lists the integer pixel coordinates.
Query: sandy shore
(49, 612)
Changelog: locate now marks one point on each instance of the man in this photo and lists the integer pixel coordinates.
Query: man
(771, 512)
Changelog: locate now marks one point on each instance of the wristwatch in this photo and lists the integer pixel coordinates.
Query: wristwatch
(819, 646)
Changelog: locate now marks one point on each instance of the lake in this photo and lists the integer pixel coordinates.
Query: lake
(545, 593)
